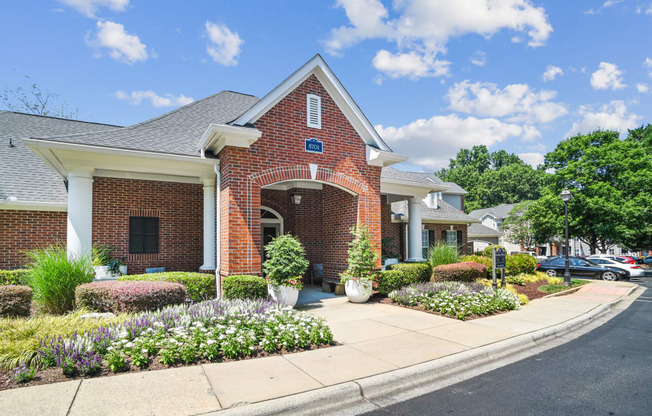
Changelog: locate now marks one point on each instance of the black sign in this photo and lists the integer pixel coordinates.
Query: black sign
(500, 258)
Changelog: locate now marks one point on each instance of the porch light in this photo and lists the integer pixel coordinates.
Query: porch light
(295, 197)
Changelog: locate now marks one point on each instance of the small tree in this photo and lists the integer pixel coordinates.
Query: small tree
(286, 261)
(30, 98)
(362, 257)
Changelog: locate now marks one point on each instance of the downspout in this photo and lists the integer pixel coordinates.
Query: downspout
(218, 231)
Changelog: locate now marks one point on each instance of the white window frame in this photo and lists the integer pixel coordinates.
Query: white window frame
(310, 97)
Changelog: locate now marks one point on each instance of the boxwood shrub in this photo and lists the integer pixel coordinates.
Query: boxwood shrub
(482, 260)
(487, 250)
(403, 274)
(416, 272)
(244, 287)
(13, 277)
(520, 264)
(460, 272)
(15, 300)
(121, 296)
(199, 286)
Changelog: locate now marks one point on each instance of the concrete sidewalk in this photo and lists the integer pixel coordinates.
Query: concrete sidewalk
(382, 345)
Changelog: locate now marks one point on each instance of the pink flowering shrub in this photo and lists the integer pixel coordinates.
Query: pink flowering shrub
(460, 272)
(15, 300)
(129, 296)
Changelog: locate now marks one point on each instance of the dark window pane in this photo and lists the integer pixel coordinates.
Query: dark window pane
(143, 235)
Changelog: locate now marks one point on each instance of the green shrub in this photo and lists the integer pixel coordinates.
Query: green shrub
(286, 261)
(362, 257)
(520, 264)
(487, 251)
(53, 278)
(13, 277)
(482, 260)
(391, 280)
(415, 272)
(459, 272)
(442, 253)
(244, 287)
(199, 286)
(15, 300)
(515, 280)
(136, 296)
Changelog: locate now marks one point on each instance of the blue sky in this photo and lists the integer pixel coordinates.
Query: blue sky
(433, 76)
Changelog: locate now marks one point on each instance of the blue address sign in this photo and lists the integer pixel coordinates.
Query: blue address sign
(314, 146)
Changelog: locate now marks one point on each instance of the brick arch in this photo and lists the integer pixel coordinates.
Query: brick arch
(324, 175)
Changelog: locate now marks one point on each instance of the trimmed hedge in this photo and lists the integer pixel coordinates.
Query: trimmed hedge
(199, 286)
(403, 274)
(416, 272)
(13, 277)
(15, 300)
(482, 260)
(244, 287)
(520, 264)
(460, 272)
(117, 296)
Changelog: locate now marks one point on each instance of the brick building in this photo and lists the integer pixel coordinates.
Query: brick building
(206, 185)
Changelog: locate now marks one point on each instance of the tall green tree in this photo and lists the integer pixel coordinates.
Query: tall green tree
(492, 178)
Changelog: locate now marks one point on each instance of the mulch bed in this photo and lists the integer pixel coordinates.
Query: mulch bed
(54, 374)
(531, 289)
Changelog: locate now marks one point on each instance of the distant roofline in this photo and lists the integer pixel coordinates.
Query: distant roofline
(60, 118)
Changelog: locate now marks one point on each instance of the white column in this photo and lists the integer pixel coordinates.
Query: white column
(80, 213)
(209, 224)
(414, 226)
(218, 237)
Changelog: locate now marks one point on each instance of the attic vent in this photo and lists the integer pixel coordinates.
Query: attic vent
(314, 111)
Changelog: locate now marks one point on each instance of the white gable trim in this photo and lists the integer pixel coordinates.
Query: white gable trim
(318, 67)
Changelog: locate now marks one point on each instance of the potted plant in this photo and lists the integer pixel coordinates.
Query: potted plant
(105, 265)
(286, 263)
(358, 278)
(117, 267)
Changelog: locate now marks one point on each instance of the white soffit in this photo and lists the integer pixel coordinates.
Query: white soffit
(318, 67)
(217, 136)
(382, 158)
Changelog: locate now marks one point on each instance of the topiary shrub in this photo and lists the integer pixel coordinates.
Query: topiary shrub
(415, 272)
(487, 251)
(199, 286)
(390, 280)
(244, 287)
(13, 277)
(520, 264)
(15, 300)
(121, 296)
(459, 272)
(482, 260)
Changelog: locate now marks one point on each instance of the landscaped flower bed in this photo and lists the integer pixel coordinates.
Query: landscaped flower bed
(456, 299)
(211, 330)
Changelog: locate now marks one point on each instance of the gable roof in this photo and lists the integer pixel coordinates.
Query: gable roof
(416, 178)
(454, 189)
(479, 230)
(444, 214)
(24, 177)
(318, 67)
(176, 132)
(500, 212)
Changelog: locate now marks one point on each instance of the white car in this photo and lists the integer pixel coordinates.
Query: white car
(634, 269)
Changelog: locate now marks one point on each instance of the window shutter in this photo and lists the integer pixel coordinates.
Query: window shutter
(431, 237)
(151, 235)
(443, 236)
(460, 241)
(314, 111)
(136, 235)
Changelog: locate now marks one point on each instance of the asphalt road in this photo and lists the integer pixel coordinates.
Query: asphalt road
(607, 371)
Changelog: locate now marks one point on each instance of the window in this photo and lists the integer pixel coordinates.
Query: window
(314, 111)
(427, 240)
(143, 235)
(451, 238)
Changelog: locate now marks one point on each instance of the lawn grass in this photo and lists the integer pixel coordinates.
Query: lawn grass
(555, 288)
(19, 337)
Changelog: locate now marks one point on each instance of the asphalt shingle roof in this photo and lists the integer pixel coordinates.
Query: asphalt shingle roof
(445, 212)
(176, 132)
(23, 175)
(415, 177)
(479, 229)
(500, 211)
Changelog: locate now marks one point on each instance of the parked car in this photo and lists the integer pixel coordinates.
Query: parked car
(581, 268)
(647, 260)
(624, 259)
(639, 260)
(633, 269)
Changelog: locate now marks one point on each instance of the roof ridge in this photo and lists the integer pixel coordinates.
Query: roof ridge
(59, 118)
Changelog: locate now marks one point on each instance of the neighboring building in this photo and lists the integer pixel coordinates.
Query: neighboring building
(492, 218)
(480, 235)
(205, 186)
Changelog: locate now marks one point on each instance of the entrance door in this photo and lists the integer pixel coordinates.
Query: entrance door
(269, 232)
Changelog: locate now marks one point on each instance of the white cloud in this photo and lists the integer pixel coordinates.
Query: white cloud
(518, 102)
(479, 58)
(608, 76)
(612, 116)
(610, 3)
(552, 72)
(224, 45)
(430, 143)
(644, 9)
(533, 159)
(410, 65)
(122, 46)
(89, 7)
(642, 88)
(424, 27)
(168, 100)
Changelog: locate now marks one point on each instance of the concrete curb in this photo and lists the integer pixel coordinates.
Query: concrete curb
(371, 392)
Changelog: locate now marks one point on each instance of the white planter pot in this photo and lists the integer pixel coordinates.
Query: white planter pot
(286, 295)
(358, 292)
(123, 270)
(102, 272)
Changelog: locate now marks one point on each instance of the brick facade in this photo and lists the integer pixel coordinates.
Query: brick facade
(26, 230)
(179, 207)
(279, 156)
